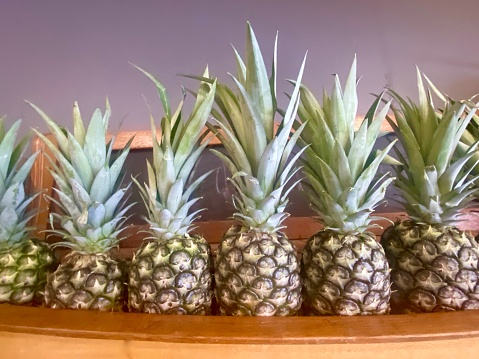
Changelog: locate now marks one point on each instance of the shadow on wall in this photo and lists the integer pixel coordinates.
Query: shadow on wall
(216, 191)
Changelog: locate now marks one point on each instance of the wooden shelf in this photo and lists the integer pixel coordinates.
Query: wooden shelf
(27, 332)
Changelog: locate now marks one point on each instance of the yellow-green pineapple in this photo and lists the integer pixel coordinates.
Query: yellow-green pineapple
(24, 261)
(256, 268)
(344, 268)
(470, 136)
(171, 272)
(88, 177)
(434, 264)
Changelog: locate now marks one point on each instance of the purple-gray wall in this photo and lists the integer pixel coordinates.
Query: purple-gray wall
(53, 52)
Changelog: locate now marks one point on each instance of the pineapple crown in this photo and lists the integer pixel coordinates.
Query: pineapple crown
(469, 138)
(259, 158)
(170, 186)
(13, 199)
(339, 162)
(432, 180)
(88, 178)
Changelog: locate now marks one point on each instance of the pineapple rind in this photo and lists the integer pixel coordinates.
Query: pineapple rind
(23, 272)
(87, 281)
(345, 275)
(257, 274)
(172, 276)
(433, 268)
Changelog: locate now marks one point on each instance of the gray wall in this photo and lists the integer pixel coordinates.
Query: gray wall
(53, 52)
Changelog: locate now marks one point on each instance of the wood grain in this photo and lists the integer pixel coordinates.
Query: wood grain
(19, 346)
(27, 332)
(239, 330)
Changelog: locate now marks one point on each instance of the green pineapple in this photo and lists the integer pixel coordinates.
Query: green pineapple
(172, 272)
(91, 216)
(24, 262)
(257, 270)
(434, 264)
(344, 268)
(469, 137)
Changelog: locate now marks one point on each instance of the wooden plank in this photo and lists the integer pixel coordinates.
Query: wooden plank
(240, 330)
(27, 346)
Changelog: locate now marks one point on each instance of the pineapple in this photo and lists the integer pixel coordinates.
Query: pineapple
(434, 264)
(172, 273)
(469, 137)
(256, 268)
(24, 261)
(344, 268)
(91, 216)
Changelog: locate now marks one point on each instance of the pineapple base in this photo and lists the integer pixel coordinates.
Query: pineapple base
(433, 269)
(23, 272)
(172, 276)
(87, 281)
(345, 275)
(257, 274)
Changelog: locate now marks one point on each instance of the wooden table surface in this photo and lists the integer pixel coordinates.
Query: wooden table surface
(28, 332)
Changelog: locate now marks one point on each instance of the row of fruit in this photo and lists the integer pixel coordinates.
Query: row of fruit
(426, 261)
